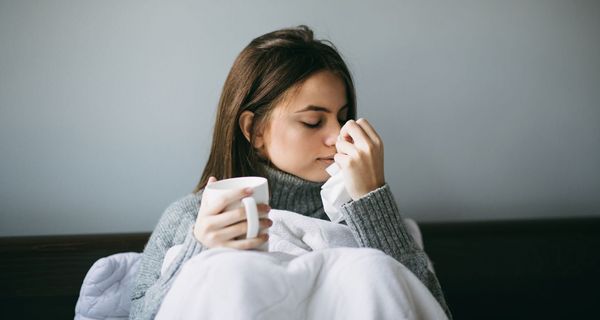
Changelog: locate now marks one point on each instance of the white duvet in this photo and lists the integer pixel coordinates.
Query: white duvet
(313, 271)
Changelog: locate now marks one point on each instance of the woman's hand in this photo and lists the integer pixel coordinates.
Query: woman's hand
(360, 155)
(217, 228)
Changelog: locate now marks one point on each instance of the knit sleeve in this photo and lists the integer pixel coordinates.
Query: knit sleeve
(375, 222)
(150, 285)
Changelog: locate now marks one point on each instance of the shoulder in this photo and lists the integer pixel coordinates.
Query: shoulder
(182, 210)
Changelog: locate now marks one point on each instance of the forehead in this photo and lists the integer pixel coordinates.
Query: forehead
(323, 89)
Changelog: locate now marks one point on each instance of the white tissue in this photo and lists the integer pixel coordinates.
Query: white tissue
(334, 194)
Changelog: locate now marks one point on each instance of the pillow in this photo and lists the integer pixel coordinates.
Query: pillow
(106, 289)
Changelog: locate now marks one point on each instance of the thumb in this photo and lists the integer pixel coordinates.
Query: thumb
(211, 180)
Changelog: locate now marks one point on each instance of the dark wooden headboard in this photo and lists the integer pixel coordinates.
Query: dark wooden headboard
(489, 270)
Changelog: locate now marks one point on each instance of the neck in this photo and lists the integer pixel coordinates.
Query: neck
(292, 193)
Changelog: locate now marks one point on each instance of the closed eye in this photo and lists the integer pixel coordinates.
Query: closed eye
(312, 125)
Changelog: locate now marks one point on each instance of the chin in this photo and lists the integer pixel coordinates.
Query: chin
(319, 180)
(309, 174)
(319, 177)
(314, 176)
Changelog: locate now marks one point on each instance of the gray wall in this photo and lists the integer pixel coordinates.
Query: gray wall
(488, 109)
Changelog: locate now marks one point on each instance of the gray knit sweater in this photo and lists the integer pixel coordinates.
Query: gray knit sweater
(373, 219)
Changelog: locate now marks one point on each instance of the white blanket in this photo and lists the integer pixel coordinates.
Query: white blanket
(313, 270)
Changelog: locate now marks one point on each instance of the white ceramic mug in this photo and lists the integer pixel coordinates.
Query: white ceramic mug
(260, 187)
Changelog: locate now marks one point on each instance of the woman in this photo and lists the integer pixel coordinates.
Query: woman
(286, 100)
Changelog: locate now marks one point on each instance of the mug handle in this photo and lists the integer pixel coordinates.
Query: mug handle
(251, 217)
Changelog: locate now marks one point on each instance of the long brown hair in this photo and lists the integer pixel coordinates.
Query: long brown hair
(258, 80)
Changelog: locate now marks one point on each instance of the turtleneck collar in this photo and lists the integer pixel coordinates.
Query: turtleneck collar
(290, 192)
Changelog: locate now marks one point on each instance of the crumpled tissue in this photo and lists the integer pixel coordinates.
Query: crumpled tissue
(334, 194)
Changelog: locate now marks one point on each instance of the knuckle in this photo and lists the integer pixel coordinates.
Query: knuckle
(377, 142)
(211, 237)
(241, 213)
(206, 242)
(202, 228)
(367, 151)
(242, 226)
(204, 222)
(203, 208)
(221, 202)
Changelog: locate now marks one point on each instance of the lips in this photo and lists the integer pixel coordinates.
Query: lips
(326, 158)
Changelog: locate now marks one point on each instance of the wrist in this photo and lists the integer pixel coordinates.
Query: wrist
(367, 191)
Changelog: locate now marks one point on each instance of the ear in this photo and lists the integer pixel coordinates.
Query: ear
(246, 121)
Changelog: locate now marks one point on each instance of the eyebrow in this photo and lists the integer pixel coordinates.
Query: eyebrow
(319, 108)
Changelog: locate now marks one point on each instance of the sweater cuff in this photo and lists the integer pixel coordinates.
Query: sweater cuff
(191, 246)
(375, 221)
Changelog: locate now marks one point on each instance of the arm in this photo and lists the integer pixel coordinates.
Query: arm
(217, 227)
(375, 222)
(373, 215)
(174, 227)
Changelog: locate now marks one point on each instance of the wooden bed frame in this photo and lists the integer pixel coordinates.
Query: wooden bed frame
(518, 269)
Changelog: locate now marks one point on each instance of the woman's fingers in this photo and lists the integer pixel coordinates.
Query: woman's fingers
(366, 140)
(355, 132)
(246, 244)
(217, 204)
(345, 147)
(360, 154)
(238, 229)
(369, 130)
(231, 217)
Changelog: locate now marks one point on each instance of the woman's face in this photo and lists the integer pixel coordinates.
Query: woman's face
(302, 130)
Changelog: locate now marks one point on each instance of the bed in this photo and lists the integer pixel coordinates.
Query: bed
(547, 268)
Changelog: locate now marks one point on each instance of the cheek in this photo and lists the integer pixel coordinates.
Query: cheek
(290, 142)
(294, 150)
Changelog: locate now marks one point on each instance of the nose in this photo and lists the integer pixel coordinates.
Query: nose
(333, 131)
